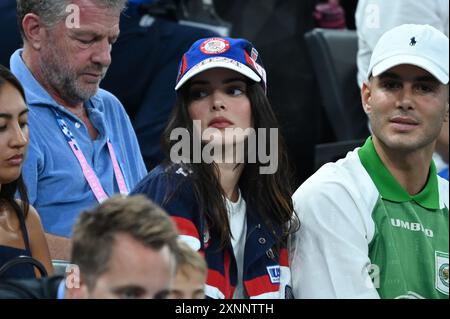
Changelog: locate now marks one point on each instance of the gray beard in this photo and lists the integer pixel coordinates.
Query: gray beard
(63, 80)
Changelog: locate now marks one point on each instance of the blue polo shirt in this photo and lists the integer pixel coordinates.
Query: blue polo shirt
(56, 185)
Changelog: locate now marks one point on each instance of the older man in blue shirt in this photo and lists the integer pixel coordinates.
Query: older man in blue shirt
(82, 146)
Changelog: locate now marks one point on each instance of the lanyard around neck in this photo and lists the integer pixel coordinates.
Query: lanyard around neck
(88, 172)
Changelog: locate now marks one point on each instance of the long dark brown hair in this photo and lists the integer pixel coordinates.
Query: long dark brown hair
(269, 194)
(8, 191)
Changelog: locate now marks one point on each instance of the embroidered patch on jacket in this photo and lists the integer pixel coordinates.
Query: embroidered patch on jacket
(274, 274)
(441, 273)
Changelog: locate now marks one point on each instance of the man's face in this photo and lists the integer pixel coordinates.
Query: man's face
(73, 60)
(134, 271)
(189, 283)
(406, 106)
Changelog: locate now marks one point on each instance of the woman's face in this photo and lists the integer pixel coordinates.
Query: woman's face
(13, 132)
(218, 99)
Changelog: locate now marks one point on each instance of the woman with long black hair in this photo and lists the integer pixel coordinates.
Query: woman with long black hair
(21, 231)
(228, 197)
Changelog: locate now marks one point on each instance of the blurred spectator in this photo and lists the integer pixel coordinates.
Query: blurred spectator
(329, 15)
(124, 248)
(190, 278)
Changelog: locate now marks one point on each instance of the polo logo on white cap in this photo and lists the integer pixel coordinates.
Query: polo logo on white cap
(413, 41)
(215, 46)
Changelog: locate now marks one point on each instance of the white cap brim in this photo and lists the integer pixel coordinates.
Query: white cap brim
(218, 62)
(434, 69)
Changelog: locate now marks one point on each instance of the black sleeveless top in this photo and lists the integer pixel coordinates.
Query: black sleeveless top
(8, 253)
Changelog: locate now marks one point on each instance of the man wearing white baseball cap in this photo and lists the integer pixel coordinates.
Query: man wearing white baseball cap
(375, 224)
(414, 44)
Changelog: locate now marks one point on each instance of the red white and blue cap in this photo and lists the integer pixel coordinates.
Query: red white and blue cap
(235, 54)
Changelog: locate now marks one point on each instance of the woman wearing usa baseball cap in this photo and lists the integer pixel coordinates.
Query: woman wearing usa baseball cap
(227, 188)
(235, 54)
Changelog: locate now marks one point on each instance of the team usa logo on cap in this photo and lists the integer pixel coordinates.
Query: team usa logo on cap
(215, 46)
(235, 54)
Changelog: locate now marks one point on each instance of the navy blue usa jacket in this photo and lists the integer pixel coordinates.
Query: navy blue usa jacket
(266, 273)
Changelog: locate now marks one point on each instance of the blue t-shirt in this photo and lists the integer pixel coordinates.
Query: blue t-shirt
(56, 185)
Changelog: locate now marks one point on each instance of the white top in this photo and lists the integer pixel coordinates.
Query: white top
(334, 207)
(238, 224)
(374, 17)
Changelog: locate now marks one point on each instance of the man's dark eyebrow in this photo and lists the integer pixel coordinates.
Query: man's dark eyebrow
(389, 75)
(394, 76)
(426, 78)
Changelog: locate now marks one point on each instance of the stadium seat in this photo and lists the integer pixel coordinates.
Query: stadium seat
(331, 152)
(333, 53)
